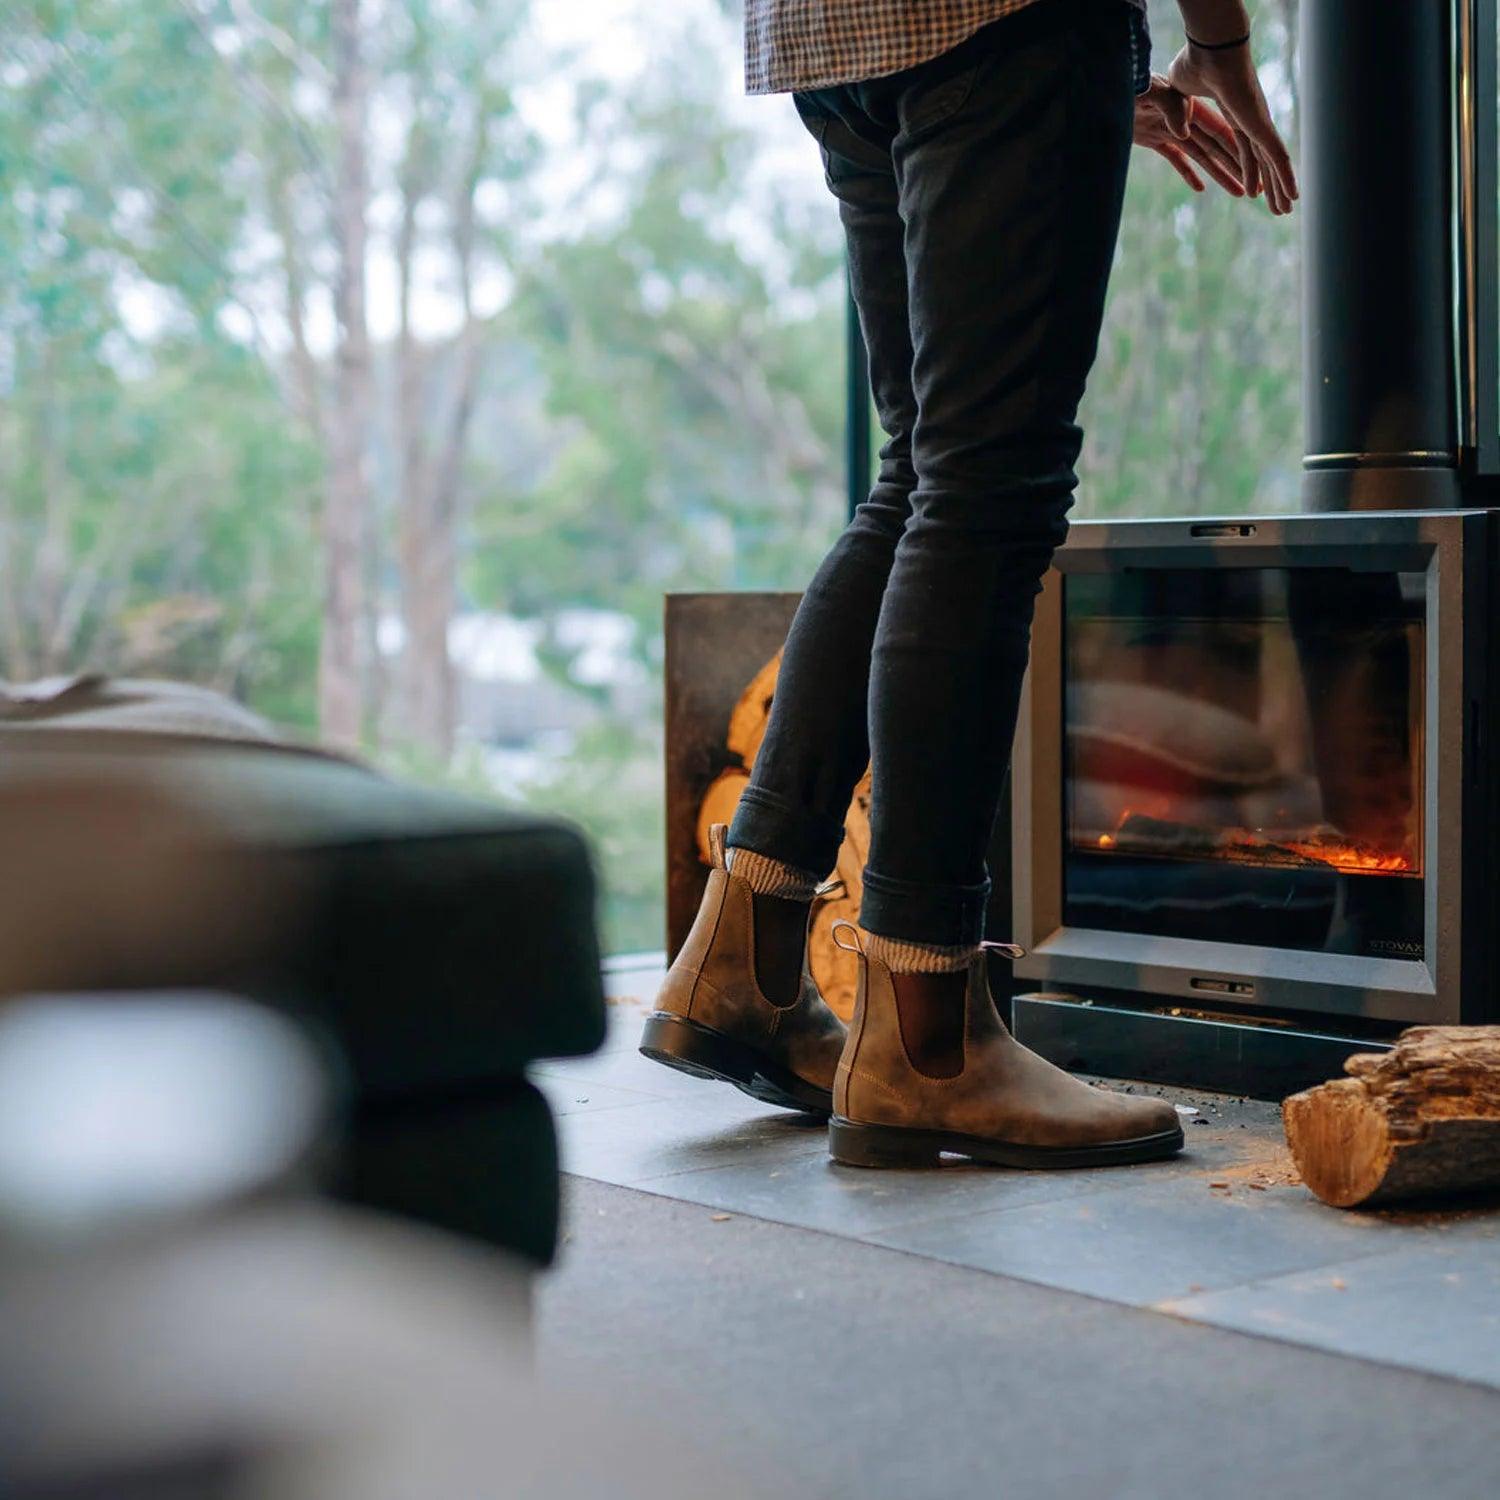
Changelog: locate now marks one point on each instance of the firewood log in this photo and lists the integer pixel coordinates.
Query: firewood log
(749, 717)
(718, 805)
(1416, 1122)
(834, 969)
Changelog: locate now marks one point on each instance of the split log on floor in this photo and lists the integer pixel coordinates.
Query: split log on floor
(1419, 1121)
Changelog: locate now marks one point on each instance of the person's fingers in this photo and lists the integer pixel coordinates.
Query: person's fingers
(1218, 149)
(1281, 164)
(1275, 181)
(1177, 111)
(1221, 168)
(1272, 192)
(1210, 120)
(1283, 184)
(1176, 156)
(1249, 162)
(1276, 194)
(1276, 160)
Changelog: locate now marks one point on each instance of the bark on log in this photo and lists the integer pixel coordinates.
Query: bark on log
(1416, 1122)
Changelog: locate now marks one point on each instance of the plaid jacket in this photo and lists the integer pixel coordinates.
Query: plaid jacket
(812, 44)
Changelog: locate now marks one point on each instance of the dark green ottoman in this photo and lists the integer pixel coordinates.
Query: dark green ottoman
(440, 945)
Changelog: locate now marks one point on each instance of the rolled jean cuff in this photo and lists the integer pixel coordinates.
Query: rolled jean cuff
(942, 914)
(798, 836)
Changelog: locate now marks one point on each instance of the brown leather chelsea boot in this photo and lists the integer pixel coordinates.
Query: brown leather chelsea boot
(712, 1018)
(1006, 1105)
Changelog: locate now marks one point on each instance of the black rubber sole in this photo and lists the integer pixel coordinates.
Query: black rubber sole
(896, 1146)
(699, 1050)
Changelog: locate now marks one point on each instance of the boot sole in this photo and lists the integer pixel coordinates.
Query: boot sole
(702, 1052)
(856, 1145)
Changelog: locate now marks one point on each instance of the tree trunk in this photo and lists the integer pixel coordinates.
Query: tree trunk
(428, 584)
(307, 399)
(432, 582)
(426, 589)
(49, 562)
(431, 489)
(15, 649)
(347, 501)
(1421, 1120)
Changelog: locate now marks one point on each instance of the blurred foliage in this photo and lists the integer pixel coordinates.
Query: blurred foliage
(1194, 406)
(660, 399)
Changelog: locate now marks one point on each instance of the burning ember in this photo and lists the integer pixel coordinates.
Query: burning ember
(1141, 834)
(1326, 850)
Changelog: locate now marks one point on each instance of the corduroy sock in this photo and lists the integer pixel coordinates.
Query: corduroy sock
(903, 957)
(772, 877)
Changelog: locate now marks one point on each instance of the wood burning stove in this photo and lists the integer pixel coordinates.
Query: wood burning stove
(1253, 813)
(1253, 777)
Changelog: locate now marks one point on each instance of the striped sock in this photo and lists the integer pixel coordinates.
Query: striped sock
(772, 877)
(903, 957)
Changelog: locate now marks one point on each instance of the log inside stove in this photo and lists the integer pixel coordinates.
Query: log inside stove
(1321, 847)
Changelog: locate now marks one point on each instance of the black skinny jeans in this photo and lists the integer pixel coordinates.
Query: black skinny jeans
(980, 195)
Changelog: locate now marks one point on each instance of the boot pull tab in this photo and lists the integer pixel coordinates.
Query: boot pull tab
(718, 845)
(856, 946)
(1007, 950)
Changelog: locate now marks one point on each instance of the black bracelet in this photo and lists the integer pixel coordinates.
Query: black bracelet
(1239, 41)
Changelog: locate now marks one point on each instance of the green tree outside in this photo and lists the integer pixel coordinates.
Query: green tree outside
(366, 321)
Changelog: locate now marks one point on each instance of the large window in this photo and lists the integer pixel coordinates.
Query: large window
(382, 362)
(1195, 405)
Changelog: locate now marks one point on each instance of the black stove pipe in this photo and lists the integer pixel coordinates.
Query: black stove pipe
(1379, 365)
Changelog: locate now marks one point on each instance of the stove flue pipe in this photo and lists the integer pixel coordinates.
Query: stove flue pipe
(1379, 362)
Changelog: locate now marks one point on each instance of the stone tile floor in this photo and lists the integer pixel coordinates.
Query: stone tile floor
(1224, 1235)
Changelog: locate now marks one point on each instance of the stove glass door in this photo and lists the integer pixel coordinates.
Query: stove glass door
(1244, 756)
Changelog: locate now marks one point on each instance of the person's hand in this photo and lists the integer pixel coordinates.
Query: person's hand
(1185, 131)
(1228, 77)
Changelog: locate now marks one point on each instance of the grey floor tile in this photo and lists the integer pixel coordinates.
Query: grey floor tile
(1432, 1306)
(1146, 1242)
(669, 1136)
(624, 1067)
(791, 1186)
(624, 1018)
(782, 1180)
(573, 1096)
(814, 1192)
(858, 1202)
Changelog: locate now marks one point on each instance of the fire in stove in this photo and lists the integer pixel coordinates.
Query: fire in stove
(1142, 835)
(1245, 740)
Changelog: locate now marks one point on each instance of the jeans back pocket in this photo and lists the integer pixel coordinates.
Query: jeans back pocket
(927, 102)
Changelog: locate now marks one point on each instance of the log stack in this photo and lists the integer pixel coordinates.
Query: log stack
(1419, 1121)
(833, 968)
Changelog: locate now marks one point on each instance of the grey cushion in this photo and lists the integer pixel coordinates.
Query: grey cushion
(90, 700)
(444, 941)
